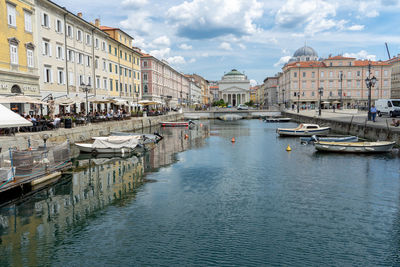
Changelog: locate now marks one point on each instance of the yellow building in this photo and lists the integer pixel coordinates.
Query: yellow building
(124, 65)
(18, 68)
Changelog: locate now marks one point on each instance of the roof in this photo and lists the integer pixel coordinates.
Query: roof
(339, 57)
(106, 28)
(362, 63)
(234, 72)
(305, 51)
(306, 64)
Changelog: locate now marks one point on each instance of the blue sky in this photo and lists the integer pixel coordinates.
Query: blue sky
(210, 37)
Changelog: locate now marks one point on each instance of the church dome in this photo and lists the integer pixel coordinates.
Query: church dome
(305, 51)
(234, 72)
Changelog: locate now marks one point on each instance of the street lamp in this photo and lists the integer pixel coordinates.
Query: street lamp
(370, 83)
(341, 89)
(86, 89)
(298, 102)
(320, 91)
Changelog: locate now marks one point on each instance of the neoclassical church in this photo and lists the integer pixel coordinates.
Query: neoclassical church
(234, 88)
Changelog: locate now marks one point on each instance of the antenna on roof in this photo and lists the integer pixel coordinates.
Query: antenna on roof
(387, 49)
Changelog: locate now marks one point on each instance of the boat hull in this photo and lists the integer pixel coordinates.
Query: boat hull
(277, 119)
(175, 124)
(88, 148)
(330, 139)
(356, 147)
(305, 132)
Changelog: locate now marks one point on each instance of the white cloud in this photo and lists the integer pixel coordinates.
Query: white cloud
(203, 19)
(283, 60)
(225, 46)
(162, 41)
(185, 47)
(161, 53)
(139, 23)
(192, 60)
(368, 9)
(361, 55)
(176, 60)
(134, 3)
(253, 82)
(356, 27)
(242, 46)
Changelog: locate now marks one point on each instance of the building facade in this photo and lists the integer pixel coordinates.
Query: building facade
(395, 77)
(214, 90)
(194, 91)
(341, 78)
(270, 94)
(18, 60)
(234, 88)
(162, 83)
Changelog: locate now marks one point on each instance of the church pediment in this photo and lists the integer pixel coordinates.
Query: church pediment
(234, 89)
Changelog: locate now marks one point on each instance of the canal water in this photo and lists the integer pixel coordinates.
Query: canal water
(201, 200)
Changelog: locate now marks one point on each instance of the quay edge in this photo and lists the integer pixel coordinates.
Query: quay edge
(362, 130)
(86, 132)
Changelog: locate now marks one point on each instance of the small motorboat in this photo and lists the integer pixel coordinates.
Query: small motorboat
(355, 147)
(315, 138)
(304, 130)
(177, 123)
(277, 119)
(146, 138)
(111, 145)
(230, 117)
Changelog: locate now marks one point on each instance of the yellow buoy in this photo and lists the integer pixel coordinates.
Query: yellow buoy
(233, 140)
(186, 136)
(288, 148)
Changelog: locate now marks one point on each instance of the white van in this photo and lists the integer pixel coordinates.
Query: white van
(390, 107)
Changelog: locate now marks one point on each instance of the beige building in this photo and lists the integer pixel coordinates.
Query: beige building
(270, 93)
(395, 77)
(342, 80)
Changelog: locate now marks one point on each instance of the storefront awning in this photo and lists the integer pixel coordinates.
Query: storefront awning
(150, 102)
(9, 119)
(21, 99)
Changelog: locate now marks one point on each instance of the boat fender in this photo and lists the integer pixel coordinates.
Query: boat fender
(95, 152)
(288, 148)
(233, 140)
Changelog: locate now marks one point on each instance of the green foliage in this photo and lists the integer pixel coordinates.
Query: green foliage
(219, 103)
(250, 103)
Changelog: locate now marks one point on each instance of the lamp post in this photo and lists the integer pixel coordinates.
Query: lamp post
(370, 82)
(298, 102)
(86, 89)
(283, 99)
(320, 91)
(341, 89)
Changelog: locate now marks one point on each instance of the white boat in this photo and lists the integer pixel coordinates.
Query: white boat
(304, 130)
(315, 138)
(111, 145)
(145, 138)
(277, 119)
(355, 147)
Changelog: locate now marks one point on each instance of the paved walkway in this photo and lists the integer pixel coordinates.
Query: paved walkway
(348, 115)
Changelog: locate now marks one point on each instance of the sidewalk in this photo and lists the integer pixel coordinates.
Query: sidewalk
(348, 115)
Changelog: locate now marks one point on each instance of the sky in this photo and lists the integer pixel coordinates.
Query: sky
(211, 37)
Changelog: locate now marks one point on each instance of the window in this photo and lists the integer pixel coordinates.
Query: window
(104, 65)
(120, 70)
(80, 58)
(59, 26)
(312, 93)
(70, 56)
(45, 20)
(130, 88)
(358, 73)
(295, 74)
(97, 81)
(71, 78)
(46, 47)
(110, 67)
(60, 76)
(144, 63)
(126, 56)
(96, 63)
(331, 74)
(89, 81)
(349, 74)
(115, 51)
(330, 64)
(348, 84)
(48, 74)
(14, 54)
(349, 63)
(88, 60)
(385, 82)
(130, 58)
(358, 84)
(105, 83)
(116, 85)
(126, 72)
(313, 74)
(304, 74)
(144, 76)
(330, 93)
(28, 21)
(377, 73)
(109, 49)
(96, 42)
(120, 53)
(30, 58)
(126, 88)
(313, 85)
(60, 52)
(70, 32)
(130, 73)
(145, 89)
(81, 79)
(79, 35)
(116, 69)
(111, 84)
(385, 73)
(295, 86)
(330, 84)
(88, 39)
(11, 15)
(322, 74)
(303, 84)
(120, 87)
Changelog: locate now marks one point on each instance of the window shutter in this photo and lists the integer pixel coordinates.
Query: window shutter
(51, 76)
(64, 75)
(45, 75)
(49, 49)
(43, 48)
(63, 52)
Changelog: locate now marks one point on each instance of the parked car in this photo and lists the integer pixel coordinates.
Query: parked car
(389, 107)
(242, 107)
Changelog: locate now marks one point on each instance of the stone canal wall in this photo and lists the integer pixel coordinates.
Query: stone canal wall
(86, 132)
(364, 130)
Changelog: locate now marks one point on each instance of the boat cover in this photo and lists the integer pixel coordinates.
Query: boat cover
(117, 142)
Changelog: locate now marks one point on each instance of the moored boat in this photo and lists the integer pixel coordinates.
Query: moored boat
(315, 138)
(111, 145)
(355, 147)
(277, 119)
(146, 138)
(304, 130)
(177, 123)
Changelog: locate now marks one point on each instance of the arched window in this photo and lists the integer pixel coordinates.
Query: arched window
(145, 89)
(15, 89)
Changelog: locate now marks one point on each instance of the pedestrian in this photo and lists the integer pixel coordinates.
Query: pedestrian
(333, 106)
(373, 113)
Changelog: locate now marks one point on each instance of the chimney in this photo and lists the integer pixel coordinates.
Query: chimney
(80, 14)
(97, 23)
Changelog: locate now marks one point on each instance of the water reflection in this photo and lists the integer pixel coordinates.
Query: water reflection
(31, 230)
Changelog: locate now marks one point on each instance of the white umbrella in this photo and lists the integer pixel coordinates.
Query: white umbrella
(9, 119)
(21, 99)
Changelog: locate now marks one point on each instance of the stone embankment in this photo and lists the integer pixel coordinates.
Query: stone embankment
(86, 132)
(352, 124)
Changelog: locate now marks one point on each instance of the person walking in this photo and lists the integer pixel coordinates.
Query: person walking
(373, 113)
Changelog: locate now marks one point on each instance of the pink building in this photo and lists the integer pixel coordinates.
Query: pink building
(160, 82)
